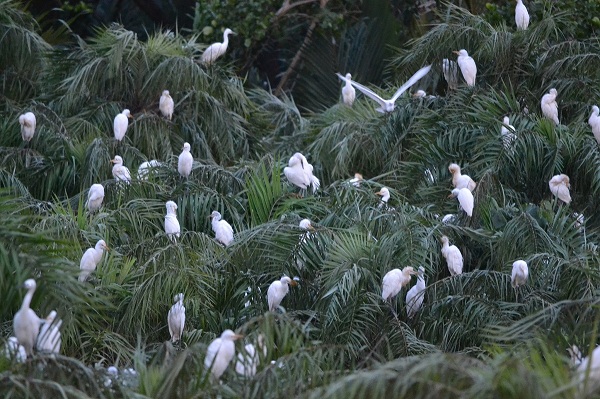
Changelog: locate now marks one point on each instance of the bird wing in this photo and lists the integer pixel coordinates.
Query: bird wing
(95, 194)
(365, 90)
(273, 295)
(454, 259)
(391, 282)
(212, 351)
(466, 200)
(413, 79)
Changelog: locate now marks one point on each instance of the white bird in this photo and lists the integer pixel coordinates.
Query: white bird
(450, 71)
(277, 290)
(120, 172)
(166, 105)
(300, 173)
(594, 122)
(414, 296)
(394, 280)
(356, 180)
(217, 49)
(14, 350)
(90, 259)
(465, 199)
(28, 123)
(348, 92)
(385, 195)
(220, 352)
(26, 323)
(453, 257)
(420, 94)
(146, 168)
(171, 223)
(559, 186)
(186, 161)
(249, 359)
(120, 124)
(388, 105)
(223, 230)
(521, 16)
(520, 272)
(586, 368)
(467, 66)
(449, 218)
(305, 224)
(507, 132)
(459, 180)
(176, 318)
(95, 197)
(48, 339)
(550, 106)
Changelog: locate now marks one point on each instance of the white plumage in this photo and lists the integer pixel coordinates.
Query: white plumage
(26, 323)
(217, 49)
(121, 123)
(146, 168)
(28, 123)
(171, 223)
(249, 359)
(459, 180)
(49, 339)
(300, 173)
(14, 350)
(507, 132)
(355, 181)
(305, 224)
(450, 71)
(176, 318)
(585, 365)
(594, 122)
(414, 296)
(223, 230)
(90, 259)
(453, 257)
(394, 280)
(385, 195)
(465, 199)
(559, 186)
(220, 352)
(467, 66)
(186, 161)
(348, 92)
(277, 290)
(95, 197)
(520, 272)
(550, 106)
(119, 171)
(166, 105)
(521, 16)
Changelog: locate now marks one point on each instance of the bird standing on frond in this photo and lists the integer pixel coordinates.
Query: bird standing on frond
(90, 259)
(459, 180)
(217, 49)
(559, 186)
(594, 122)
(450, 72)
(521, 16)
(394, 280)
(220, 352)
(348, 92)
(120, 172)
(186, 161)
(166, 105)
(277, 290)
(176, 318)
(28, 123)
(248, 361)
(171, 223)
(467, 66)
(48, 339)
(121, 123)
(223, 230)
(453, 257)
(300, 173)
(550, 106)
(95, 197)
(26, 323)
(385, 196)
(414, 296)
(520, 272)
(388, 105)
(145, 168)
(465, 199)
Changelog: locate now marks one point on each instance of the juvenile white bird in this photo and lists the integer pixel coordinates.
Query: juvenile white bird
(559, 186)
(26, 323)
(348, 92)
(28, 123)
(249, 359)
(467, 66)
(414, 296)
(119, 171)
(453, 257)
(521, 16)
(90, 259)
(220, 352)
(121, 123)
(176, 318)
(171, 223)
(146, 168)
(594, 122)
(217, 49)
(95, 197)
(48, 339)
(223, 230)
(277, 290)
(186, 161)
(394, 280)
(465, 199)
(385, 195)
(300, 173)
(14, 350)
(550, 106)
(166, 105)
(388, 105)
(355, 181)
(450, 71)
(520, 272)
(507, 132)
(459, 180)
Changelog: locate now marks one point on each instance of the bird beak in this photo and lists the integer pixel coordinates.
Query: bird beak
(293, 283)
(414, 272)
(107, 247)
(379, 193)
(237, 336)
(113, 161)
(210, 216)
(311, 228)
(130, 116)
(233, 33)
(456, 52)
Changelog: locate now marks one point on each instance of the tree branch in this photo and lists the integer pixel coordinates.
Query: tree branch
(286, 6)
(297, 58)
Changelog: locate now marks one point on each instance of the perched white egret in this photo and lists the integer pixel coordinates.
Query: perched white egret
(277, 290)
(521, 16)
(414, 296)
(48, 339)
(217, 49)
(186, 160)
(388, 105)
(95, 197)
(348, 92)
(594, 122)
(520, 272)
(300, 173)
(465, 199)
(550, 106)
(119, 171)
(450, 71)
(559, 186)
(587, 368)
(14, 350)
(26, 323)
(394, 280)
(467, 66)
(171, 223)
(453, 257)
(248, 361)
(355, 181)
(223, 230)
(459, 180)
(385, 195)
(145, 169)
(220, 352)
(120, 124)
(90, 259)
(449, 218)
(507, 132)
(28, 123)
(166, 105)
(176, 318)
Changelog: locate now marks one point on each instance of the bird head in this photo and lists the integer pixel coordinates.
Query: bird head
(419, 94)
(229, 32)
(553, 91)
(461, 52)
(454, 168)
(215, 215)
(127, 113)
(444, 240)
(178, 297)
(117, 160)
(454, 193)
(288, 281)
(29, 284)
(171, 206)
(383, 192)
(228, 334)
(358, 176)
(166, 93)
(306, 225)
(348, 76)
(186, 146)
(102, 245)
(595, 109)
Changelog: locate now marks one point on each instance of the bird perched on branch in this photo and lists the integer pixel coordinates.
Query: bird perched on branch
(121, 123)
(166, 105)
(28, 123)
(559, 186)
(453, 257)
(467, 66)
(394, 280)
(176, 318)
(217, 49)
(550, 106)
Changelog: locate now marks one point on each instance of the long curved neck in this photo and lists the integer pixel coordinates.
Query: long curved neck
(27, 299)
(225, 39)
